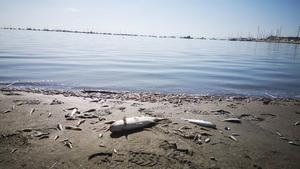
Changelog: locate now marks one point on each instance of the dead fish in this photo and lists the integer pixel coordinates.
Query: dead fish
(71, 108)
(39, 134)
(60, 127)
(293, 143)
(207, 140)
(90, 110)
(115, 151)
(13, 150)
(100, 135)
(185, 128)
(68, 144)
(284, 138)
(101, 145)
(205, 134)
(73, 128)
(109, 122)
(7, 111)
(233, 120)
(44, 136)
(71, 118)
(232, 138)
(132, 123)
(13, 107)
(31, 111)
(27, 129)
(297, 123)
(80, 122)
(227, 128)
(201, 123)
(235, 134)
(278, 133)
(56, 137)
(49, 115)
(75, 111)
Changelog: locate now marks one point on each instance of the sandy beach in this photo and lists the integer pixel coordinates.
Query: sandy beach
(30, 120)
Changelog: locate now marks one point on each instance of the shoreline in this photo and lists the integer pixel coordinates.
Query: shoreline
(267, 137)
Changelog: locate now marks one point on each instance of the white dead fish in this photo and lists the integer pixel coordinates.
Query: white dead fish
(132, 123)
(44, 136)
(80, 122)
(207, 140)
(71, 118)
(60, 127)
(49, 115)
(293, 143)
(13, 107)
(100, 135)
(13, 150)
(278, 133)
(115, 151)
(71, 108)
(73, 128)
(232, 138)
(7, 111)
(297, 123)
(75, 111)
(68, 144)
(31, 111)
(56, 137)
(201, 123)
(109, 122)
(233, 120)
(90, 110)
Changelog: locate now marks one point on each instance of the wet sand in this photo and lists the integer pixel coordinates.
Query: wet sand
(267, 136)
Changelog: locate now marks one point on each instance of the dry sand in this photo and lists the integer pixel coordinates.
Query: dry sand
(27, 137)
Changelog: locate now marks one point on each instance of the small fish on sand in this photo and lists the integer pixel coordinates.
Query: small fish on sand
(60, 127)
(80, 122)
(68, 144)
(73, 128)
(49, 115)
(7, 111)
(31, 111)
(232, 138)
(100, 135)
(71, 108)
(278, 133)
(13, 107)
(233, 120)
(56, 137)
(296, 123)
(207, 140)
(201, 123)
(109, 122)
(43, 137)
(13, 150)
(293, 143)
(101, 145)
(90, 110)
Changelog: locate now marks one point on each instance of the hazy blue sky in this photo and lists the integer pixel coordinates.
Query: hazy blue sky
(211, 18)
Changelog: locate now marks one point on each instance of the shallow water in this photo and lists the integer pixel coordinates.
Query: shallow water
(69, 61)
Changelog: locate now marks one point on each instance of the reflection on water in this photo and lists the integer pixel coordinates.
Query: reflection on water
(135, 63)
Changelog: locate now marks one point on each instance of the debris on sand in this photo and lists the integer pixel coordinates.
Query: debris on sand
(60, 127)
(31, 111)
(202, 123)
(55, 102)
(232, 138)
(132, 123)
(233, 120)
(87, 116)
(73, 128)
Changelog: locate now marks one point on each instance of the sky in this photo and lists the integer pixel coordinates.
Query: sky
(208, 18)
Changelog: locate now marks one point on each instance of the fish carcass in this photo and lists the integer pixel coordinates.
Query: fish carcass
(201, 123)
(132, 123)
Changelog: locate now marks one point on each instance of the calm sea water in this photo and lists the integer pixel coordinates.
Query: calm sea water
(74, 61)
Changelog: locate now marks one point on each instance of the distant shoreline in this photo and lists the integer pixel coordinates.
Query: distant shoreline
(270, 39)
